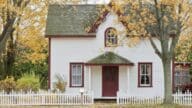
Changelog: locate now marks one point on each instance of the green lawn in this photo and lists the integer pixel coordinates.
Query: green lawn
(138, 106)
(103, 106)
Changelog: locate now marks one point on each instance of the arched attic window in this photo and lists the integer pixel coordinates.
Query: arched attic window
(111, 39)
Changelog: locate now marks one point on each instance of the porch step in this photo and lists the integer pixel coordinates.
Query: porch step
(105, 100)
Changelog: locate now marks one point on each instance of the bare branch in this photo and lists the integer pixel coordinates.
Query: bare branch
(173, 45)
(155, 47)
(176, 37)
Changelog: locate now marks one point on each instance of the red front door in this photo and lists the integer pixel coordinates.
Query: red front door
(110, 81)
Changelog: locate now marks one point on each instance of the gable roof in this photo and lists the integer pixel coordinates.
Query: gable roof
(109, 58)
(70, 20)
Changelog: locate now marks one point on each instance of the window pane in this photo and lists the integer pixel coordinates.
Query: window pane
(142, 79)
(147, 79)
(143, 69)
(73, 69)
(73, 80)
(148, 69)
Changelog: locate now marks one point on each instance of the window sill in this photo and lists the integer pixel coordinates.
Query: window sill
(145, 86)
(76, 86)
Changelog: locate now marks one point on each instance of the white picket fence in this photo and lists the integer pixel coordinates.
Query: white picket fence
(125, 98)
(45, 98)
(183, 98)
(179, 98)
(58, 98)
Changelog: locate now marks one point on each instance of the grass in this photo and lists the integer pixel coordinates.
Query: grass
(138, 106)
(103, 105)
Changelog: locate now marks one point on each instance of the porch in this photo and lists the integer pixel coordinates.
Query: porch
(107, 74)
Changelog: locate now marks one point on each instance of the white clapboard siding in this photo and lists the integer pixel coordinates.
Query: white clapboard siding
(183, 98)
(124, 98)
(45, 98)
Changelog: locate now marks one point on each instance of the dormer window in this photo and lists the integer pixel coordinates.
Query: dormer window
(111, 37)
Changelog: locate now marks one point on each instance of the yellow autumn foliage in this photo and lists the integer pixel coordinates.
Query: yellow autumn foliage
(31, 38)
(2, 2)
(37, 46)
(184, 48)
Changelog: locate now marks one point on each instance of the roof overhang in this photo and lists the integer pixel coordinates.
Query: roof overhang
(103, 64)
(90, 35)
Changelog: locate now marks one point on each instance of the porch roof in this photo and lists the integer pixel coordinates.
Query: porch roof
(109, 58)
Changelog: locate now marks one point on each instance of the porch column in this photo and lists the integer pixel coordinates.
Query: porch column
(128, 75)
(89, 73)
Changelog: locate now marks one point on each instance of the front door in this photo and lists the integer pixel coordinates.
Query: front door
(110, 81)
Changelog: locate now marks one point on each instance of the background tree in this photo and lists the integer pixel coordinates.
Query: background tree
(23, 48)
(10, 13)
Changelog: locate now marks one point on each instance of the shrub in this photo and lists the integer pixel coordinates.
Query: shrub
(1, 85)
(38, 68)
(28, 82)
(8, 84)
(60, 84)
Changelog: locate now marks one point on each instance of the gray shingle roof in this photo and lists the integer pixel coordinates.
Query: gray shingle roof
(110, 58)
(70, 20)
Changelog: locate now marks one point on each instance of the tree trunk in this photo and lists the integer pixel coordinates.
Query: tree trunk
(10, 55)
(167, 81)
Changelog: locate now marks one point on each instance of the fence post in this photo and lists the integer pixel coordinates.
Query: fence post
(82, 95)
(117, 97)
(92, 97)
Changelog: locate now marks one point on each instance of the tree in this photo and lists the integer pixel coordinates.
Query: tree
(10, 13)
(166, 20)
(19, 18)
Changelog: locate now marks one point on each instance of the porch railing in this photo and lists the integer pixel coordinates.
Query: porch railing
(45, 98)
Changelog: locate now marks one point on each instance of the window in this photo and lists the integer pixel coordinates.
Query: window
(110, 37)
(76, 74)
(181, 76)
(145, 74)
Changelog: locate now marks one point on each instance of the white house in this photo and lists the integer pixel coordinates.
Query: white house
(99, 60)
